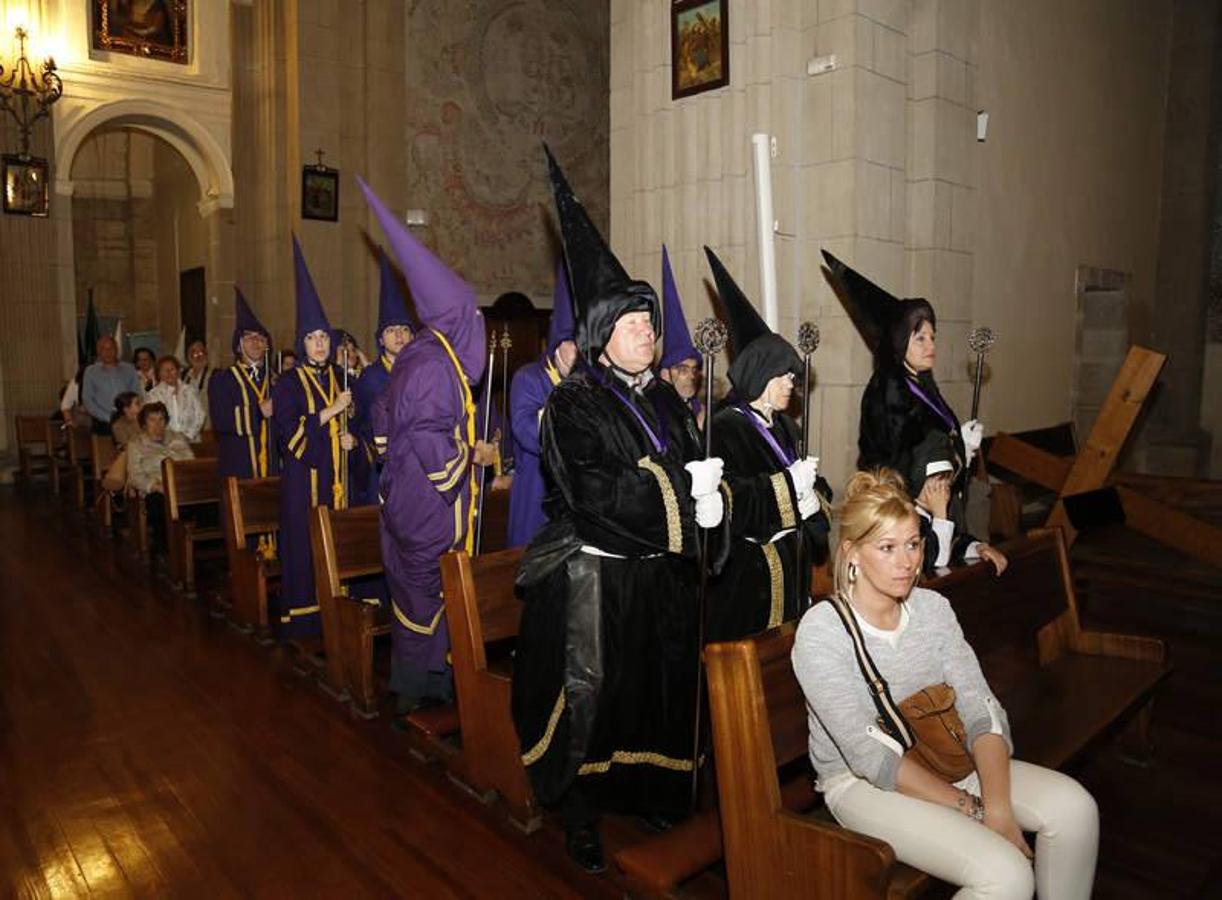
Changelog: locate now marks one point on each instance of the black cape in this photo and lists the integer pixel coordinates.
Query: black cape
(760, 585)
(895, 425)
(604, 673)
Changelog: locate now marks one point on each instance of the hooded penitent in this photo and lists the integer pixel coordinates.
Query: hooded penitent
(244, 320)
(444, 301)
(885, 321)
(759, 354)
(601, 289)
(310, 314)
(392, 305)
(676, 340)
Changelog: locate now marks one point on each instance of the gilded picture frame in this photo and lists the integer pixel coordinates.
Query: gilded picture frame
(152, 29)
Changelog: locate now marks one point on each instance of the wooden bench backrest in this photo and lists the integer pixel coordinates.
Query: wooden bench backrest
(189, 482)
(252, 507)
(31, 429)
(350, 543)
(485, 585)
(206, 445)
(98, 449)
(1023, 618)
(56, 435)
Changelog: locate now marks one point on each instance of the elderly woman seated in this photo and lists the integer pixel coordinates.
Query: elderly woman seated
(145, 452)
(873, 662)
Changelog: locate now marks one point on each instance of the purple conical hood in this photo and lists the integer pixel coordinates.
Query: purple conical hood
(560, 329)
(444, 302)
(244, 320)
(676, 339)
(392, 305)
(310, 314)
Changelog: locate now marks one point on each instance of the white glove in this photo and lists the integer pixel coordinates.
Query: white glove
(808, 505)
(803, 473)
(706, 475)
(710, 509)
(973, 433)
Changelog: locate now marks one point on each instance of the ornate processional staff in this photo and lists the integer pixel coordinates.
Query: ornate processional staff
(710, 339)
(479, 516)
(808, 343)
(981, 340)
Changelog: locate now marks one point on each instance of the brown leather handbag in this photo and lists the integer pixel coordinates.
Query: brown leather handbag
(926, 723)
(941, 739)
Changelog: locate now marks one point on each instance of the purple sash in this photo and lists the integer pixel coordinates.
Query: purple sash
(786, 459)
(940, 408)
(660, 444)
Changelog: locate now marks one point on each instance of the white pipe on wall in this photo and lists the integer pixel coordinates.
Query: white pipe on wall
(761, 147)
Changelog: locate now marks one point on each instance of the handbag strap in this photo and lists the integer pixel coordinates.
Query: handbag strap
(889, 715)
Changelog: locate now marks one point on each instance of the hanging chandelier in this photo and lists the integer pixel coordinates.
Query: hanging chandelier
(28, 95)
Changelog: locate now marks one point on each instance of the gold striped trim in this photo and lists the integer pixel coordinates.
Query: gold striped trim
(784, 505)
(237, 421)
(670, 502)
(298, 435)
(412, 626)
(535, 753)
(635, 758)
(776, 582)
(298, 613)
(457, 474)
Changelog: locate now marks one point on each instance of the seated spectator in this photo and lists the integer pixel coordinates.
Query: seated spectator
(144, 455)
(104, 381)
(199, 373)
(970, 832)
(146, 367)
(124, 422)
(180, 400)
(71, 406)
(930, 480)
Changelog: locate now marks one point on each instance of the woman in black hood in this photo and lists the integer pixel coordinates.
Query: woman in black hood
(778, 524)
(902, 409)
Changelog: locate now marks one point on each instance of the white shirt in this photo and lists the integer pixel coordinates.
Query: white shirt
(182, 402)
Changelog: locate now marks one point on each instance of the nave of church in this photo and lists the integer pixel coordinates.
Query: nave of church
(149, 749)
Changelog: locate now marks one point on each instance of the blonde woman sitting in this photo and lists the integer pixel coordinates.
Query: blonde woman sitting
(969, 832)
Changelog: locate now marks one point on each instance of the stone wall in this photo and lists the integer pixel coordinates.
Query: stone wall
(877, 161)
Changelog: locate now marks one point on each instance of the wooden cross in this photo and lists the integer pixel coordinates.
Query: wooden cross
(1093, 467)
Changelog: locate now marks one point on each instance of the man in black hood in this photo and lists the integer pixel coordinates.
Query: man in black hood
(604, 673)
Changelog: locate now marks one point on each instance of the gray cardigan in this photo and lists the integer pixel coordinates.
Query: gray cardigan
(844, 733)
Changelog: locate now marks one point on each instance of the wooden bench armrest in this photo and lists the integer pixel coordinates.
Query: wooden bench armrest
(1124, 646)
(838, 862)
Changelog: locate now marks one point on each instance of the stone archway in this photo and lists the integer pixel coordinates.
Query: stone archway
(208, 161)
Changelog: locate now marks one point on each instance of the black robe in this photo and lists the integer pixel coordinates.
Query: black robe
(760, 586)
(604, 673)
(895, 422)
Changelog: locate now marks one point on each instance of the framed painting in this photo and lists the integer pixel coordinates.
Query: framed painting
(25, 185)
(699, 46)
(154, 29)
(320, 193)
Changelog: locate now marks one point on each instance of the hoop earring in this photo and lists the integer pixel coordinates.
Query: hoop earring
(852, 573)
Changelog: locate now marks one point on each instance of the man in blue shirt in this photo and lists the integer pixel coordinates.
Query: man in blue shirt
(106, 379)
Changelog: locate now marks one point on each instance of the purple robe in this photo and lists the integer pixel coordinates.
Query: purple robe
(428, 497)
(310, 451)
(532, 385)
(369, 388)
(245, 444)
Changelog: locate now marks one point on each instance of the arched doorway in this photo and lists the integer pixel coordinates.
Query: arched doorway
(144, 179)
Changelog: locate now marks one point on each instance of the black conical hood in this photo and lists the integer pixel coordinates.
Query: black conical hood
(601, 288)
(742, 319)
(884, 320)
(759, 354)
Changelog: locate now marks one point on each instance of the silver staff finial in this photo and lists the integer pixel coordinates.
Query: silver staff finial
(808, 337)
(710, 336)
(982, 339)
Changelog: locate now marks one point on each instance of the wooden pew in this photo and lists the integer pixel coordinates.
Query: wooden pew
(482, 612)
(57, 445)
(33, 451)
(191, 486)
(1062, 687)
(250, 508)
(91, 455)
(206, 445)
(346, 544)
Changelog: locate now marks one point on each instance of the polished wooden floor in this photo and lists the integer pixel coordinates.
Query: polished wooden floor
(146, 749)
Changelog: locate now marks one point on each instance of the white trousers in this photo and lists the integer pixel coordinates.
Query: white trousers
(955, 848)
